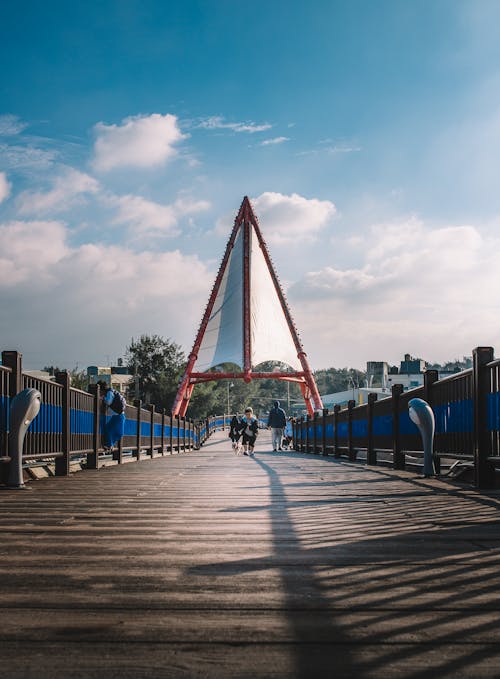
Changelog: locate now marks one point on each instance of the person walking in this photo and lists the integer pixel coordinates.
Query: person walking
(112, 415)
(277, 422)
(250, 428)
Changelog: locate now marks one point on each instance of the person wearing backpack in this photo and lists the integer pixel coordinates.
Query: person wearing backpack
(112, 415)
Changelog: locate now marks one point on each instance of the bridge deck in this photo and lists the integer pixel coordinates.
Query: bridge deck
(207, 564)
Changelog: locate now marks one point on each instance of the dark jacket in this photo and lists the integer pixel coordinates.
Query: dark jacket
(234, 428)
(277, 417)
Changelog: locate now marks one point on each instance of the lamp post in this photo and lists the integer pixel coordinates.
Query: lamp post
(229, 386)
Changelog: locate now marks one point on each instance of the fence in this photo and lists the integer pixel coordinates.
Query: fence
(467, 412)
(69, 423)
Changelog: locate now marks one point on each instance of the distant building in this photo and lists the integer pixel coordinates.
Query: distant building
(380, 377)
(116, 376)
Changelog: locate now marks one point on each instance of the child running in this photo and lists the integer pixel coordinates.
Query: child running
(250, 428)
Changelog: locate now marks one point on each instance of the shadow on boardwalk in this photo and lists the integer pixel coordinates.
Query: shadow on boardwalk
(283, 565)
(401, 588)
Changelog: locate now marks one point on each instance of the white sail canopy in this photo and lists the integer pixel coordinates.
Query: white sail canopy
(270, 336)
(223, 338)
(271, 339)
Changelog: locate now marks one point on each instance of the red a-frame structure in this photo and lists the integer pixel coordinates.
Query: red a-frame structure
(245, 244)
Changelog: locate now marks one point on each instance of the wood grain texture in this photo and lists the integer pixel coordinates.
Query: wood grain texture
(283, 565)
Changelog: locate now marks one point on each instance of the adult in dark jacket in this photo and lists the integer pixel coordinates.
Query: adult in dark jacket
(277, 422)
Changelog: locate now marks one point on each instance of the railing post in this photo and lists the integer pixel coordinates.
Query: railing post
(323, 432)
(171, 437)
(184, 434)
(151, 409)
(398, 457)
(178, 418)
(371, 453)
(14, 361)
(294, 433)
(315, 433)
(162, 442)
(336, 411)
(351, 452)
(62, 463)
(93, 457)
(138, 405)
(118, 453)
(308, 419)
(430, 376)
(484, 472)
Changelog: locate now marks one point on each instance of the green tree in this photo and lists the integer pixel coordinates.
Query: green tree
(158, 364)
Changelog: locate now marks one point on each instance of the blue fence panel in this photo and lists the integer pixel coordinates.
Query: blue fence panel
(359, 428)
(81, 421)
(342, 430)
(406, 426)
(456, 417)
(494, 412)
(48, 420)
(382, 425)
(4, 413)
(131, 427)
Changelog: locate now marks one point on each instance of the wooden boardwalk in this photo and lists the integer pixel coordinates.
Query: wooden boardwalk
(281, 565)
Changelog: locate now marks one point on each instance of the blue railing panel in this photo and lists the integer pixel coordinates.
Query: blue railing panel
(81, 422)
(48, 420)
(456, 417)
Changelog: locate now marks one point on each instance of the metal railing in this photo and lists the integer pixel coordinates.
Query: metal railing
(69, 424)
(467, 411)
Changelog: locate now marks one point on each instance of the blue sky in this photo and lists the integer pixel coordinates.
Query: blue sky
(366, 133)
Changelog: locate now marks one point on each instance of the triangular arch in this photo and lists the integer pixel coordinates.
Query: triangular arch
(247, 320)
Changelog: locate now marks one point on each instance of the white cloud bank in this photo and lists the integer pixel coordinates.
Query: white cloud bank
(5, 187)
(429, 292)
(147, 218)
(291, 218)
(68, 189)
(286, 219)
(65, 305)
(140, 141)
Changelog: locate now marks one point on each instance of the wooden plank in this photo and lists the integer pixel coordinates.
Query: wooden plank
(209, 564)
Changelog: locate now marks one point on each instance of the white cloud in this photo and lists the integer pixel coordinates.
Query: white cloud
(430, 292)
(68, 190)
(11, 125)
(218, 123)
(66, 305)
(147, 218)
(5, 187)
(274, 140)
(291, 218)
(28, 250)
(18, 157)
(140, 141)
